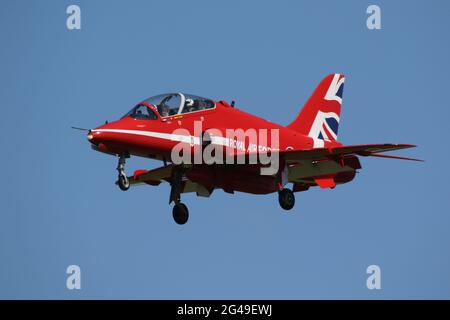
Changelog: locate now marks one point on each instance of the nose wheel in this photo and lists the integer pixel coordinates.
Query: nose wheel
(286, 198)
(123, 182)
(122, 179)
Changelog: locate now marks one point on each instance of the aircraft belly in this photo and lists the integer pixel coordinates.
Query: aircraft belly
(232, 179)
(325, 173)
(308, 169)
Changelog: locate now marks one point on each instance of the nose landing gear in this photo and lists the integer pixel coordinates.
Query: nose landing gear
(122, 179)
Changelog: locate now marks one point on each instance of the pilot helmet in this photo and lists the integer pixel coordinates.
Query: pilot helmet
(189, 102)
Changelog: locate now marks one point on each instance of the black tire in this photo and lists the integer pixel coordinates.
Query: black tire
(180, 213)
(123, 182)
(286, 198)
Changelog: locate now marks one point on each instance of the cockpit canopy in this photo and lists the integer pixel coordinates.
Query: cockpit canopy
(142, 112)
(170, 104)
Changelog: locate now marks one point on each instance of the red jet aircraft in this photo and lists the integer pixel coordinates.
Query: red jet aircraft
(307, 150)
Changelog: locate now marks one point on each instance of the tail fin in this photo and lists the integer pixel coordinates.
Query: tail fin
(319, 117)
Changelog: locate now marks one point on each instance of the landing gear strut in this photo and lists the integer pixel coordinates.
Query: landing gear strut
(122, 179)
(180, 211)
(286, 199)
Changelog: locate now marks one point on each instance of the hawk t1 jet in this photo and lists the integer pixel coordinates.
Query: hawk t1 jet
(306, 152)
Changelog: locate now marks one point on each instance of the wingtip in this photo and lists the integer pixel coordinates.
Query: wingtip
(406, 145)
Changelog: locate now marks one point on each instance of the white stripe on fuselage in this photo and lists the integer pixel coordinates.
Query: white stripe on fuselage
(192, 140)
(160, 135)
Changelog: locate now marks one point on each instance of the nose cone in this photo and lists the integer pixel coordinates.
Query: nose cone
(105, 139)
(90, 136)
(98, 134)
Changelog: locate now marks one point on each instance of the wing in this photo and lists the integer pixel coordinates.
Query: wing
(360, 150)
(154, 177)
(322, 166)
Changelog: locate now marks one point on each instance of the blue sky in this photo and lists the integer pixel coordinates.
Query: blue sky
(60, 205)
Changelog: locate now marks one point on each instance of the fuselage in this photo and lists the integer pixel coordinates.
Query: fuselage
(156, 138)
(155, 128)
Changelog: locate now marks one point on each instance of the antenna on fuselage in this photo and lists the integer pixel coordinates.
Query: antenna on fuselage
(232, 103)
(81, 129)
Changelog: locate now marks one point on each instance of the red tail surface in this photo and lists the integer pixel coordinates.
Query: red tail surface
(319, 118)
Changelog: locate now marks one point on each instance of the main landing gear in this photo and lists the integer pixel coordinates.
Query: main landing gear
(286, 198)
(122, 179)
(180, 211)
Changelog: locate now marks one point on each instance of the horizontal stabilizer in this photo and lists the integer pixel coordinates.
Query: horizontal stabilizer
(395, 157)
(360, 150)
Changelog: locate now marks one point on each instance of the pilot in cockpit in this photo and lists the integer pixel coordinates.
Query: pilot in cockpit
(189, 105)
(163, 109)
